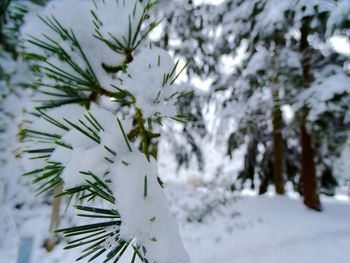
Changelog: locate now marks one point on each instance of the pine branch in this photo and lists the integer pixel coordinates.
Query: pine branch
(96, 237)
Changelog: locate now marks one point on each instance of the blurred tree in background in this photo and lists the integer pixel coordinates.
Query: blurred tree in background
(273, 72)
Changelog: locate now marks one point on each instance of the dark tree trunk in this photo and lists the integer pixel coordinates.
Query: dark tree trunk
(250, 161)
(2, 21)
(308, 171)
(266, 171)
(308, 167)
(278, 147)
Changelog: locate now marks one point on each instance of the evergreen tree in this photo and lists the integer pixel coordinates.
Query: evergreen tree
(271, 68)
(192, 32)
(281, 39)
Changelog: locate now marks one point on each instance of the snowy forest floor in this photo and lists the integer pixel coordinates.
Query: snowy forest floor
(216, 227)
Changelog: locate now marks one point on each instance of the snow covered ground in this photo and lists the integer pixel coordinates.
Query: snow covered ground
(274, 230)
(217, 227)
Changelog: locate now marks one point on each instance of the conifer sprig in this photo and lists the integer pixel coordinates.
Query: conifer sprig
(72, 84)
(102, 237)
(126, 45)
(77, 82)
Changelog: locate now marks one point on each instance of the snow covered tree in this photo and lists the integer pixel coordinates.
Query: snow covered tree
(180, 27)
(282, 40)
(11, 18)
(192, 32)
(268, 79)
(14, 73)
(328, 96)
(101, 94)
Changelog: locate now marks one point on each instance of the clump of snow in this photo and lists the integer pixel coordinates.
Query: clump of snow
(85, 154)
(82, 25)
(144, 210)
(88, 155)
(340, 44)
(258, 62)
(145, 80)
(130, 14)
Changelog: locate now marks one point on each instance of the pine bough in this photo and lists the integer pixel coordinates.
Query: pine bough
(100, 96)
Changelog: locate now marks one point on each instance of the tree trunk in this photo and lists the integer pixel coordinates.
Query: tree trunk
(308, 170)
(278, 148)
(250, 160)
(266, 170)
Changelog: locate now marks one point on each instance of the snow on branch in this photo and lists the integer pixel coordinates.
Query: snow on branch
(84, 51)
